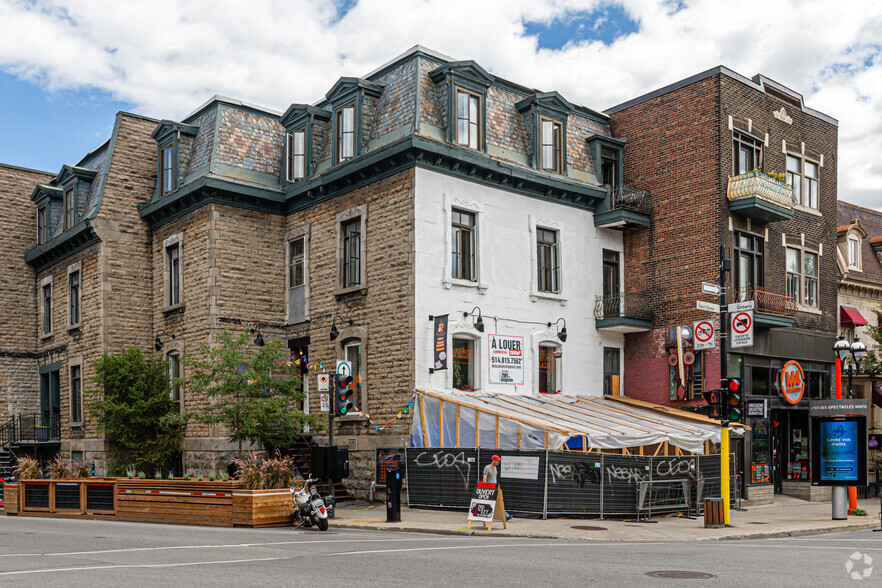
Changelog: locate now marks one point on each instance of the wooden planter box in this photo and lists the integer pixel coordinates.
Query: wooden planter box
(262, 508)
(183, 502)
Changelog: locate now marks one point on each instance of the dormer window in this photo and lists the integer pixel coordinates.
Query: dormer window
(346, 133)
(854, 253)
(296, 159)
(166, 169)
(609, 167)
(70, 207)
(41, 225)
(551, 145)
(468, 111)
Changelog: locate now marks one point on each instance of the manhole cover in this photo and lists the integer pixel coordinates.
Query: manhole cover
(587, 528)
(680, 575)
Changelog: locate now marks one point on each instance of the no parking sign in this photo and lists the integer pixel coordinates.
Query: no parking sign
(704, 334)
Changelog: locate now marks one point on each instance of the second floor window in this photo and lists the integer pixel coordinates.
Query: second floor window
(463, 245)
(551, 146)
(467, 115)
(296, 156)
(173, 266)
(70, 208)
(802, 276)
(748, 263)
(351, 249)
(802, 175)
(345, 133)
(166, 169)
(73, 296)
(47, 308)
(76, 394)
(747, 153)
(548, 260)
(41, 225)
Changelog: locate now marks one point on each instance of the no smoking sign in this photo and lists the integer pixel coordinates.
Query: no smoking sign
(704, 334)
(742, 328)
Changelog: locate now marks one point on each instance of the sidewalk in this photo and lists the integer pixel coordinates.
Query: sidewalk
(786, 517)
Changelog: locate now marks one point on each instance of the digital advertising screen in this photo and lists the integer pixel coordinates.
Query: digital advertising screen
(839, 451)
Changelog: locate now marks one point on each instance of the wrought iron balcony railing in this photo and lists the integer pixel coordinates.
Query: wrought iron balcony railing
(626, 198)
(756, 184)
(766, 300)
(627, 305)
(37, 428)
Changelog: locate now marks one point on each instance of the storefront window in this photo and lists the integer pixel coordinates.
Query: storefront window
(547, 369)
(463, 364)
(759, 381)
(798, 463)
(761, 465)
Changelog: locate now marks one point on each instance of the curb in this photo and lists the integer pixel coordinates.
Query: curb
(507, 533)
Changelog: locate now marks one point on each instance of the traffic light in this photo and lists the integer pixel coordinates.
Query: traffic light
(343, 390)
(734, 405)
(712, 397)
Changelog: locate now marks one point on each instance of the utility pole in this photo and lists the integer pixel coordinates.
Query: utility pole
(332, 409)
(725, 265)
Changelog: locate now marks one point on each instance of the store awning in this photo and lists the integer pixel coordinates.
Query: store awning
(448, 418)
(851, 316)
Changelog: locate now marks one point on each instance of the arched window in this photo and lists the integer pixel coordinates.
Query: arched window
(465, 362)
(549, 368)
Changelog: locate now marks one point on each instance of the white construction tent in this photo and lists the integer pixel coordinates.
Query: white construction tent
(444, 418)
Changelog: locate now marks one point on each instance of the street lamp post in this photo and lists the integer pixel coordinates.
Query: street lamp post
(857, 350)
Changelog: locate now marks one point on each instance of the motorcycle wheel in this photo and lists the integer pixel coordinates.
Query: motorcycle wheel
(323, 524)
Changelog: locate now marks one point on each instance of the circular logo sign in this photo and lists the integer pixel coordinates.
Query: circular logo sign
(792, 382)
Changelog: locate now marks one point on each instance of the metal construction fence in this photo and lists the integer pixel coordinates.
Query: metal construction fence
(542, 483)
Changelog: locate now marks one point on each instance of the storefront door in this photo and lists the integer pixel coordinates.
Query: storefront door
(779, 448)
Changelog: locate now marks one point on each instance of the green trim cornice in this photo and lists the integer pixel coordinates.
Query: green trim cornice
(169, 127)
(345, 88)
(75, 239)
(72, 172)
(463, 72)
(549, 104)
(42, 192)
(298, 114)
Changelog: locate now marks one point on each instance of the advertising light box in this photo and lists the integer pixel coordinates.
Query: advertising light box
(839, 445)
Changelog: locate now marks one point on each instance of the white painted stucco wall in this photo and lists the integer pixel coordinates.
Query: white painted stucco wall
(505, 291)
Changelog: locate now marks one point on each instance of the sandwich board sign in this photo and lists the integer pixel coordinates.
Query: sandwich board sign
(741, 329)
(704, 334)
(487, 506)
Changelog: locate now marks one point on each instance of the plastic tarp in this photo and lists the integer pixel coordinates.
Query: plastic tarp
(526, 422)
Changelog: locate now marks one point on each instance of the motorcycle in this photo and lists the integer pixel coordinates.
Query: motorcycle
(309, 508)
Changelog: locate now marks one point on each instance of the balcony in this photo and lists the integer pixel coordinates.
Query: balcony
(626, 313)
(30, 429)
(760, 197)
(624, 206)
(771, 307)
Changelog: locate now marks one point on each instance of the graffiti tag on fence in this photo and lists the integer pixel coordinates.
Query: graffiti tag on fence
(581, 473)
(443, 459)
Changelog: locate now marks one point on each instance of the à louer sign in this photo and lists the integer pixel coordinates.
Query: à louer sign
(506, 355)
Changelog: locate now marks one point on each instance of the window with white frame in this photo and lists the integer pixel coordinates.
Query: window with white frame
(549, 368)
(464, 363)
(174, 375)
(854, 255)
(70, 207)
(352, 352)
(463, 241)
(803, 177)
(76, 394)
(802, 276)
(547, 260)
(172, 255)
(46, 302)
(297, 279)
(747, 152)
(551, 145)
(468, 113)
(351, 249)
(41, 225)
(74, 295)
(296, 160)
(345, 133)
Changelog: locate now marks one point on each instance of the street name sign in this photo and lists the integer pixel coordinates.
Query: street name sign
(709, 288)
(741, 306)
(703, 335)
(708, 306)
(741, 329)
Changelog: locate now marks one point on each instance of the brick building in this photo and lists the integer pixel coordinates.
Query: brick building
(427, 187)
(859, 257)
(702, 146)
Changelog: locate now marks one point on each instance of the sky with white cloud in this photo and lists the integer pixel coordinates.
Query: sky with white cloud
(67, 65)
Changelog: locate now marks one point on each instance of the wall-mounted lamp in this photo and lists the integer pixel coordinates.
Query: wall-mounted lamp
(479, 323)
(334, 332)
(562, 333)
(157, 343)
(259, 339)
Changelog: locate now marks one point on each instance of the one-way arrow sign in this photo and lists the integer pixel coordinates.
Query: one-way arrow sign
(709, 288)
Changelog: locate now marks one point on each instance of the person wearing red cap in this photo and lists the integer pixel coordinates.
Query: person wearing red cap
(491, 473)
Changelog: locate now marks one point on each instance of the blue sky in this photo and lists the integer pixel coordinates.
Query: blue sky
(66, 67)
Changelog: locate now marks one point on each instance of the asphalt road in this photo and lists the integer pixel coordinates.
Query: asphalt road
(43, 551)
